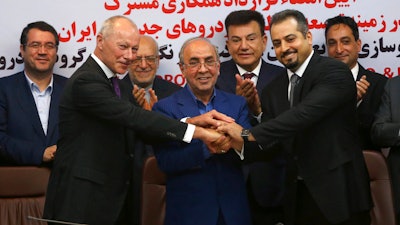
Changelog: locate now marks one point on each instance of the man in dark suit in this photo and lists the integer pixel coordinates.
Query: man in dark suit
(29, 101)
(343, 43)
(91, 180)
(147, 87)
(246, 44)
(386, 133)
(327, 180)
(202, 188)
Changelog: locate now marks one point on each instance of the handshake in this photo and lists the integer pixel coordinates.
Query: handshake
(218, 131)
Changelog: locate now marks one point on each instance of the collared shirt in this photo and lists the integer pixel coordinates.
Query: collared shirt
(42, 101)
(256, 72)
(190, 128)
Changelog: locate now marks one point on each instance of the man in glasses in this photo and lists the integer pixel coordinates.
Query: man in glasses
(147, 87)
(29, 101)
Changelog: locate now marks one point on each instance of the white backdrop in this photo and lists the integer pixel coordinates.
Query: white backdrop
(171, 22)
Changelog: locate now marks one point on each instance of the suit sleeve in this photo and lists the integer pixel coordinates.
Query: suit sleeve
(385, 131)
(94, 96)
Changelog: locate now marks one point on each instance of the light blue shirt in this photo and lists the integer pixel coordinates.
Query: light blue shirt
(42, 101)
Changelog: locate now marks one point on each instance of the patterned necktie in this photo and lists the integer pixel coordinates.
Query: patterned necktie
(248, 75)
(114, 81)
(294, 80)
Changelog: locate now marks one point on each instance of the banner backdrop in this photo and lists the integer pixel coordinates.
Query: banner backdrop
(172, 22)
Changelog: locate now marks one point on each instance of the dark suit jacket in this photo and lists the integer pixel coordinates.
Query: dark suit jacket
(266, 178)
(369, 105)
(201, 185)
(22, 138)
(320, 136)
(93, 167)
(385, 131)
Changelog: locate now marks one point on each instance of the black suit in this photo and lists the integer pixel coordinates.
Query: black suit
(264, 179)
(369, 105)
(320, 137)
(385, 133)
(94, 162)
(163, 89)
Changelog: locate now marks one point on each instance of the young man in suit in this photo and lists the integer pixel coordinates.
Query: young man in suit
(91, 180)
(147, 87)
(29, 101)
(343, 43)
(202, 187)
(386, 133)
(327, 180)
(246, 44)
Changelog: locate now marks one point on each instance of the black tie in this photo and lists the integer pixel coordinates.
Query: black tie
(114, 81)
(248, 75)
(294, 80)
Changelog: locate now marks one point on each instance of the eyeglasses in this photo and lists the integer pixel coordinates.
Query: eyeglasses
(209, 64)
(37, 45)
(151, 60)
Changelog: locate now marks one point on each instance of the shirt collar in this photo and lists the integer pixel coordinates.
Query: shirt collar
(103, 66)
(355, 70)
(34, 86)
(195, 98)
(302, 68)
(256, 70)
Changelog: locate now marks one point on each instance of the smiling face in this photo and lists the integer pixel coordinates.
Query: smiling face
(200, 67)
(117, 47)
(143, 69)
(39, 53)
(246, 44)
(342, 45)
(291, 47)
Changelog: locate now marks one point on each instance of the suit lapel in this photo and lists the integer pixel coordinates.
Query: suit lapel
(187, 106)
(53, 111)
(27, 103)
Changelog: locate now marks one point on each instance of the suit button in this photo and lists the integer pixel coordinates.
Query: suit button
(295, 158)
(127, 182)
(131, 155)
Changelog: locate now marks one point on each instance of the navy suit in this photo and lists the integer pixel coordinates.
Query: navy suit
(22, 138)
(201, 186)
(265, 179)
(369, 105)
(385, 133)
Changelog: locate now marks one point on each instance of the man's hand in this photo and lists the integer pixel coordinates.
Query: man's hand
(139, 95)
(216, 142)
(49, 153)
(362, 87)
(211, 119)
(234, 130)
(247, 89)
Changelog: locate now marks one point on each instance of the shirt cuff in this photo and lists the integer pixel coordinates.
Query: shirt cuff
(189, 133)
(258, 117)
(240, 153)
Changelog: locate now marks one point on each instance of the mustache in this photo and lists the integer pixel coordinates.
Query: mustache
(288, 52)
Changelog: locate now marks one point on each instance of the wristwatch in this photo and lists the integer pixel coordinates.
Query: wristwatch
(245, 135)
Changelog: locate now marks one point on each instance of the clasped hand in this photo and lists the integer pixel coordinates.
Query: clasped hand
(214, 127)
